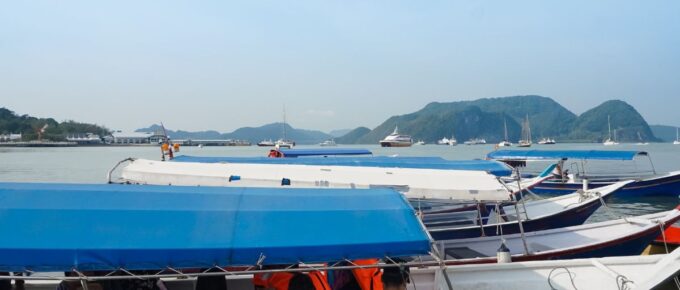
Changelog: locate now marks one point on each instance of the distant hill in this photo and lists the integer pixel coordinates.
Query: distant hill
(484, 118)
(339, 132)
(663, 132)
(29, 126)
(352, 136)
(592, 125)
(253, 134)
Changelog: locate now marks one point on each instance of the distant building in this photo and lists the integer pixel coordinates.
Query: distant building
(119, 137)
(10, 137)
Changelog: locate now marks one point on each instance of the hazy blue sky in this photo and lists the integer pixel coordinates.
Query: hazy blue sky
(334, 64)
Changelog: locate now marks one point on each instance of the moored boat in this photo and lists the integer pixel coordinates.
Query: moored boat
(666, 184)
(328, 143)
(413, 182)
(160, 227)
(396, 140)
(569, 210)
(610, 273)
(547, 141)
(505, 142)
(266, 143)
(475, 141)
(610, 141)
(525, 141)
(621, 237)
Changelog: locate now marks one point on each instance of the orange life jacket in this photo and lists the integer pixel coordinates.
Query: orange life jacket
(368, 278)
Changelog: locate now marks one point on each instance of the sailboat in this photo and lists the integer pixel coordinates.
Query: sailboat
(283, 142)
(526, 134)
(505, 142)
(610, 141)
(642, 142)
(677, 137)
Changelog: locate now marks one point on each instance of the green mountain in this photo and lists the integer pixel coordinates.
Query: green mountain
(272, 131)
(484, 118)
(663, 132)
(30, 126)
(626, 124)
(352, 136)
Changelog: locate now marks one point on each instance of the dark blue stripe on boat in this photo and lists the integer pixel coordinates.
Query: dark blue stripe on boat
(564, 154)
(57, 227)
(493, 167)
(323, 152)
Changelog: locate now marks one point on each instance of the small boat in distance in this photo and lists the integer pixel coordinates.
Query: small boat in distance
(475, 141)
(610, 141)
(266, 143)
(547, 141)
(677, 137)
(396, 140)
(526, 134)
(505, 142)
(642, 141)
(420, 142)
(447, 141)
(328, 143)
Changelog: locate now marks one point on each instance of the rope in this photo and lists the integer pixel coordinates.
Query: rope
(571, 278)
(608, 210)
(624, 281)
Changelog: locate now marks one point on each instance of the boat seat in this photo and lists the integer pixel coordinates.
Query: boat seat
(462, 253)
(538, 247)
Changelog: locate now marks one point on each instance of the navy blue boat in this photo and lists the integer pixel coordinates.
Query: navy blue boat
(652, 185)
(542, 215)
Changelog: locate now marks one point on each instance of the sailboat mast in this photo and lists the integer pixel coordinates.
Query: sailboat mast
(609, 125)
(284, 122)
(528, 130)
(505, 129)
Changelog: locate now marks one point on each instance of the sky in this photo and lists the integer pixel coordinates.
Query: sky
(221, 65)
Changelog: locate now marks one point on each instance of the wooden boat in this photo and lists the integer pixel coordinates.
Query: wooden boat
(611, 273)
(88, 227)
(568, 210)
(667, 184)
(326, 157)
(626, 236)
(413, 182)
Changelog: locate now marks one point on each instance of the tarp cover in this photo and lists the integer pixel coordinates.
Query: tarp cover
(58, 227)
(323, 152)
(563, 154)
(493, 167)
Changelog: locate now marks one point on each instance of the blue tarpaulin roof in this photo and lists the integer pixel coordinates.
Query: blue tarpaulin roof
(564, 154)
(323, 152)
(493, 167)
(58, 227)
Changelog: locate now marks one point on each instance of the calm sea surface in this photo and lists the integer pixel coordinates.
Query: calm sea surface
(91, 164)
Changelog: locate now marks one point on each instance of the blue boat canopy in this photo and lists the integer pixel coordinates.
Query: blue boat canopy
(59, 227)
(323, 152)
(521, 155)
(493, 167)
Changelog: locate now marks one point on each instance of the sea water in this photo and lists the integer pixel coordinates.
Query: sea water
(91, 164)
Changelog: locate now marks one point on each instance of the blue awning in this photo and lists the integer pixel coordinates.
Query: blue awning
(493, 167)
(323, 152)
(58, 227)
(518, 155)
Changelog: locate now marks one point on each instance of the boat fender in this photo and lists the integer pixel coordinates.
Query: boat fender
(503, 254)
